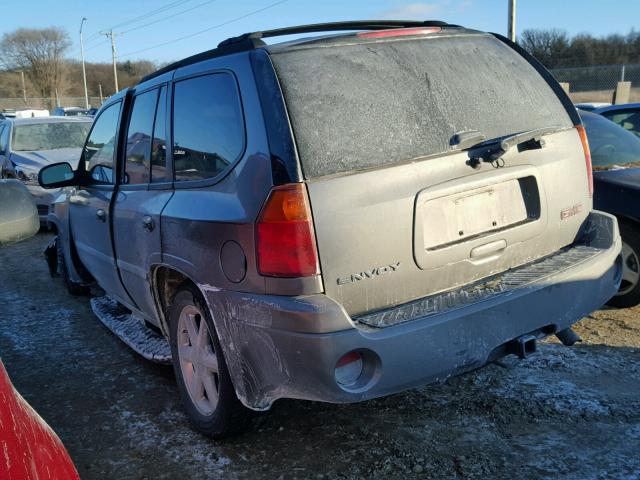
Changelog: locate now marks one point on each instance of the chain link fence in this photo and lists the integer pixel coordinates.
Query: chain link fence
(46, 103)
(586, 84)
(597, 83)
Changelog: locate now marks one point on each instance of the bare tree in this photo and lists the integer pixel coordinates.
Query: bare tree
(40, 53)
(550, 46)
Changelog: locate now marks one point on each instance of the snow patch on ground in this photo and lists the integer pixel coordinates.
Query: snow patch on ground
(184, 446)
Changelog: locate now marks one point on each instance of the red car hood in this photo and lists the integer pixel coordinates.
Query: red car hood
(29, 448)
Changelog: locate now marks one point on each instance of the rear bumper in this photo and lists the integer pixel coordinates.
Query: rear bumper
(280, 347)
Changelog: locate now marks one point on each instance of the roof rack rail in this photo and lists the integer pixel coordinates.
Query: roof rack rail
(332, 27)
(251, 40)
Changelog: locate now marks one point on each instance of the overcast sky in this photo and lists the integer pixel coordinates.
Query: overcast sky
(165, 30)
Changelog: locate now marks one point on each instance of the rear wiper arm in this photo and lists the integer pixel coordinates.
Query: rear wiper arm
(530, 136)
(529, 140)
(467, 139)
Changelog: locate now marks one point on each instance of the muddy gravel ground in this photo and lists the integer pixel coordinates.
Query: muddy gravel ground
(570, 413)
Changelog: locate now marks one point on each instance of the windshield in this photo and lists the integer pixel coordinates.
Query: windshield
(49, 136)
(610, 144)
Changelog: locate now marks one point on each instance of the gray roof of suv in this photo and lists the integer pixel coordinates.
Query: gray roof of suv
(253, 40)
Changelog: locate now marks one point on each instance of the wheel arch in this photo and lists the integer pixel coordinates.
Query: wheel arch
(77, 271)
(167, 281)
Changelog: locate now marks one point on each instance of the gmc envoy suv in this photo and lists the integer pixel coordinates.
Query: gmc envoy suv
(335, 218)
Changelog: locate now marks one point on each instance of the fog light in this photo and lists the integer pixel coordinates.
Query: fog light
(349, 369)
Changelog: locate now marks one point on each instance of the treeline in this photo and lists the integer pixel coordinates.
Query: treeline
(41, 57)
(556, 49)
(70, 85)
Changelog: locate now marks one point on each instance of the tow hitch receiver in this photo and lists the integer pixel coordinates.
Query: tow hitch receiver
(524, 346)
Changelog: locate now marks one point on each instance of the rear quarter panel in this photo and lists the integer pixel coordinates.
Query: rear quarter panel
(201, 217)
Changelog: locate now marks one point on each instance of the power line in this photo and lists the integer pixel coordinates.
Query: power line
(173, 15)
(100, 42)
(144, 16)
(254, 12)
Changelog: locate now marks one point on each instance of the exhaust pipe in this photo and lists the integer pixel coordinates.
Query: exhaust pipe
(568, 337)
(524, 346)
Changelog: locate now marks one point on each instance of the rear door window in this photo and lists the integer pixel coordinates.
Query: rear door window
(159, 145)
(208, 126)
(137, 165)
(368, 103)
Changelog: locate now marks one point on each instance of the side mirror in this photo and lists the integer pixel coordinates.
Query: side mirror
(57, 175)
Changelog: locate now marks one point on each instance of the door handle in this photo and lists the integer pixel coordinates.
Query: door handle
(101, 214)
(148, 223)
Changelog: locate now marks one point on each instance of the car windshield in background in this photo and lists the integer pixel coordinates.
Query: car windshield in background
(49, 136)
(611, 145)
(367, 104)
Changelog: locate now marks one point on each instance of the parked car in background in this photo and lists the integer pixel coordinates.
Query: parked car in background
(590, 106)
(69, 111)
(626, 115)
(335, 218)
(18, 214)
(31, 449)
(27, 145)
(31, 113)
(615, 154)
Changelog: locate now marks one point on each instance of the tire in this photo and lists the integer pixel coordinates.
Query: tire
(74, 288)
(629, 293)
(208, 395)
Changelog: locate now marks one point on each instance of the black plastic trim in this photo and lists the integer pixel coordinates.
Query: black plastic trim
(284, 159)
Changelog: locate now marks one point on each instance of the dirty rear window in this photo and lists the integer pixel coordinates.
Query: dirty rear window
(377, 103)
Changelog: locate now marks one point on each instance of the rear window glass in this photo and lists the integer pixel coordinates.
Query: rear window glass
(377, 103)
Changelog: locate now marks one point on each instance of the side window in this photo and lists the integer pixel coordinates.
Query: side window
(208, 126)
(628, 119)
(159, 146)
(137, 164)
(99, 151)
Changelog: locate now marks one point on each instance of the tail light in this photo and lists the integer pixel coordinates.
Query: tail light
(587, 156)
(399, 32)
(286, 244)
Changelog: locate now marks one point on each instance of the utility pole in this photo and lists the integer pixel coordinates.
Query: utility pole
(84, 73)
(100, 90)
(24, 88)
(512, 20)
(112, 35)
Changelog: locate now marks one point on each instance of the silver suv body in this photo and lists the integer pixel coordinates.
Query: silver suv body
(341, 217)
